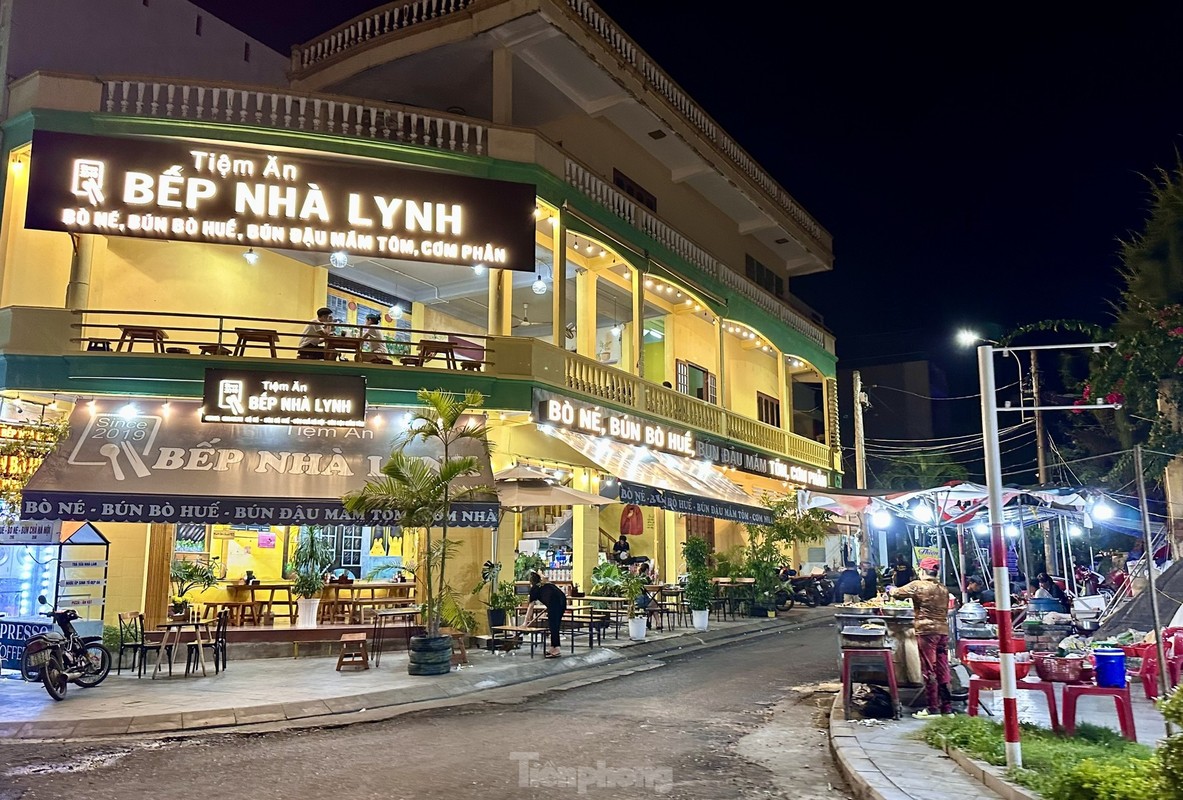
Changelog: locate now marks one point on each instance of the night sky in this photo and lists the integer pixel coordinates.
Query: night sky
(975, 166)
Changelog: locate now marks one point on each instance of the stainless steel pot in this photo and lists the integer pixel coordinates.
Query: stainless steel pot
(973, 611)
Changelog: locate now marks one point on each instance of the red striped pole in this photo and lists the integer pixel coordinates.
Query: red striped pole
(1006, 634)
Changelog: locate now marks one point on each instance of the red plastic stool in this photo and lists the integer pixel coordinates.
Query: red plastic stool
(1121, 699)
(851, 655)
(978, 684)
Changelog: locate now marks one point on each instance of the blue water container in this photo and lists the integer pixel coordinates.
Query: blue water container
(1110, 667)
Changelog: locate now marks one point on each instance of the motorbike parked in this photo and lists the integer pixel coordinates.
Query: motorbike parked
(59, 659)
(806, 589)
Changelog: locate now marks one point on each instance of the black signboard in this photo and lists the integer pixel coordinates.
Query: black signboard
(237, 194)
(252, 397)
(140, 462)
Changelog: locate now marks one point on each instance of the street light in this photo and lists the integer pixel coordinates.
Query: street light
(968, 338)
(992, 449)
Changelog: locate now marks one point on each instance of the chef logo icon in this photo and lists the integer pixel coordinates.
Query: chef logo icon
(230, 396)
(88, 180)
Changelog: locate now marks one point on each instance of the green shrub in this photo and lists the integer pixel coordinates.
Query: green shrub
(1105, 779)
(1170, 752)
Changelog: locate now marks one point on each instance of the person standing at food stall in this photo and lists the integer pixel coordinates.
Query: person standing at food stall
(903, 574)
(931, 600)
(870, 581)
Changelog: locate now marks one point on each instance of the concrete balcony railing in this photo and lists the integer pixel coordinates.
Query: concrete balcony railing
(31, 331)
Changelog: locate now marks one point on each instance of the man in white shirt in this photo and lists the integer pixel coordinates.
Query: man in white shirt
(312, 340)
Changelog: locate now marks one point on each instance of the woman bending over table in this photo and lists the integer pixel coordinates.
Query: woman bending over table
(547, 595)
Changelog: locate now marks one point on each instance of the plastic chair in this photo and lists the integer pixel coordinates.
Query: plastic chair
(850, 657)
(1121, 699)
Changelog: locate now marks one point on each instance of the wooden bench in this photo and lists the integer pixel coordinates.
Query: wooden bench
(353, 651)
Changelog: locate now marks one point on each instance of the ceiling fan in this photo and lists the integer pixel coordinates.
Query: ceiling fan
(523, 320)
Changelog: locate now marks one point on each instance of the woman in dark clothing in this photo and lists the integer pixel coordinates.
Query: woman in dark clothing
(1050, 589)
(870, 581)
(903, 574)
(550, 597)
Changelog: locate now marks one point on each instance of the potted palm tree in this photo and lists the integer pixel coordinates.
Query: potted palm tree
(311, 557)
(187, 575)
(698, 583)
(420, 492)
(631, 587)
(502, 598)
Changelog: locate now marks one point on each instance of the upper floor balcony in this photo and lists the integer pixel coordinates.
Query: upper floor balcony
(329, 122)
(166, 354)
(571, 61)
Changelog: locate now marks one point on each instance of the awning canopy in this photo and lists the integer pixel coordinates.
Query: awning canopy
(143, 462)
(650, 478)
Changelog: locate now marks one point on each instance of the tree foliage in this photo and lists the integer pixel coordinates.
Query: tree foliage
(920, 471)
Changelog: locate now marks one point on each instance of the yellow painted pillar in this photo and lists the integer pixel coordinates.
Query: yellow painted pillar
(418, 315)
(78, 289)
(636, 332)
(558, 293)
(500, 302)
(585, 313)
(724, 384)
(585, 536)
(781, 377)
(675, 535)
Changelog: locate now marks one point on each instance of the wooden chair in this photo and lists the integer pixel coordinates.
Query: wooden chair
(129, 639)
(217, 646)
(148, 646)
(458, 637)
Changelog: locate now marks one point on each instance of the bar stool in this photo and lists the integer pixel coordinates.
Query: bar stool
(850, 657)
(213, 350)
(353, 651)
(979, 684)
(1121, 699)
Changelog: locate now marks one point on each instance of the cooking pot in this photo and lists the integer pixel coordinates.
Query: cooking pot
(973, 611)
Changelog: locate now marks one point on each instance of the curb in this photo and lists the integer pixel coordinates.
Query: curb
(626, 659)
(988, 775)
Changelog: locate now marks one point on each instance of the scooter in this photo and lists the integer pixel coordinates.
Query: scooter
(59, 659)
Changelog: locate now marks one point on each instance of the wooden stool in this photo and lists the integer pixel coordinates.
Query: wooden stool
(850, 655)
(470, 366)
(213, 350)
(458, 638)
(1121, 699)
(353, 651)
(411, 361)
(261, 337)
(130, 334)
(978, 684)
(98, 346)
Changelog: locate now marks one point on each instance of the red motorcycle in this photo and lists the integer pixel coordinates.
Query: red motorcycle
(1094, 583)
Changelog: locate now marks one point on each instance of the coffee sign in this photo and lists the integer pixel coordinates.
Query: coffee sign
(248, 397)
(235, 194)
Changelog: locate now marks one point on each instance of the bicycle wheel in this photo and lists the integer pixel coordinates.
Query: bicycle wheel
(97, 660)
(54, 677)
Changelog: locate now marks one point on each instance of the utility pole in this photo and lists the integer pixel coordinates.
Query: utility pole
(1049, 547)
(1144, 509)
(860, 461)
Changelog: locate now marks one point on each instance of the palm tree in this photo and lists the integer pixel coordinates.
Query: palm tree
(921, 471)
(421, 491)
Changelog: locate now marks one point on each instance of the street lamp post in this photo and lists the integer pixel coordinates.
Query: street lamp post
(993, 458)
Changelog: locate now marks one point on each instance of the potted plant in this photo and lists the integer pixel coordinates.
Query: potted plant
(631, 587)
(525, 563)
(311, 557)
(767, 545)
(420, 492)
(698, 583)
(502, 598)
(187, 575)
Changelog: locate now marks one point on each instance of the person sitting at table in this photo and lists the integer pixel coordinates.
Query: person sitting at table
(550, 597)
(313, 339)
(373, 346)
(975, 589)
(620, 550)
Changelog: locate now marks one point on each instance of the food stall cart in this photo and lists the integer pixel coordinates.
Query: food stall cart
(899, 618)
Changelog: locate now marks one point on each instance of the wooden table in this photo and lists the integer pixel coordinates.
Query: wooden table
(130, 334)
(264, 337)
(345, 344)
(397, 593)
(434, 348)
(172, 637)
(261, 607)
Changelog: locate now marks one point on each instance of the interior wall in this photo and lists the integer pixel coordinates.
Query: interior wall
(36, 264)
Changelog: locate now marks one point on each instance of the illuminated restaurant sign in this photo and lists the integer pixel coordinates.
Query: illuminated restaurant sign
(587, 418)
(249, 397)
(235, 194)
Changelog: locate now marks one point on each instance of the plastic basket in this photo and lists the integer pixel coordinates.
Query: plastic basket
(1056, 669)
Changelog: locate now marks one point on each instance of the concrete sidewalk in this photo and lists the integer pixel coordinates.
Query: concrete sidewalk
(278, 690)
(883, 759)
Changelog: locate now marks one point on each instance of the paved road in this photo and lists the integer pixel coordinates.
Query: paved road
(737, 721)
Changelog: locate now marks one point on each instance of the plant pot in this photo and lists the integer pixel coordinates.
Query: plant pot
(759, 611)
(636, 628)
(496, 617)
(430, 655)
(306, 611)
(701, 618)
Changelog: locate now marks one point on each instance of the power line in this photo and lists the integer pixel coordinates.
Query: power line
(929, 397)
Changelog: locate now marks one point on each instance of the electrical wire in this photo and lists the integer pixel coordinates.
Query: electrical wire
(975, 436)
(929, 397)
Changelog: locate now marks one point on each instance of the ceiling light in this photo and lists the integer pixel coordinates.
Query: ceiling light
(339, 259)
(616, 330)
(648, 282)
(981, 529)
(1012, 531)
(553, 221)
(539, 286)
(129, 411)
(250, 256)
(881, 519)
(478, 269)
(396, 311)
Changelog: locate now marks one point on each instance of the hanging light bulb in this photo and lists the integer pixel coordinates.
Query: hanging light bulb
(539, 286)
(396, 311)
(250, 256)
(339, 259)
(478, 269)
(616, 330)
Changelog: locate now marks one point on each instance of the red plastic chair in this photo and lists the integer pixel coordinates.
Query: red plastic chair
(1172, 641)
